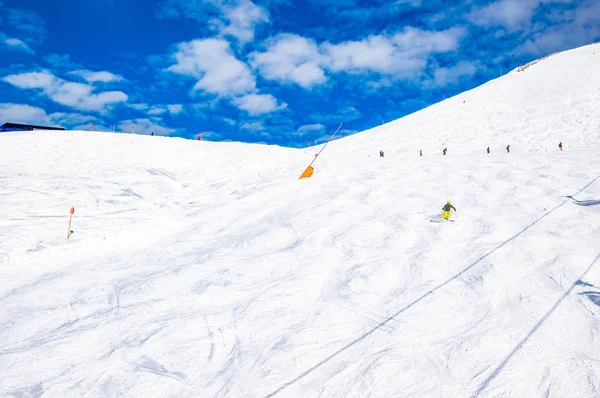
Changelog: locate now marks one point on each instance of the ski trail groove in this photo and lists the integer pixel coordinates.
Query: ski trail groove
(432, 291)
(502, 364)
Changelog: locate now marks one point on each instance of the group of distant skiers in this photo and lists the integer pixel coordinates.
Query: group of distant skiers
(445, 150)
(448, 206)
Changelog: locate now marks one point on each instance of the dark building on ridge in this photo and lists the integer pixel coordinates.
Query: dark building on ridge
(26, 127)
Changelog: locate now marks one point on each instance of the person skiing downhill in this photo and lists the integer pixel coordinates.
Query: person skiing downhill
(508, 149)
(446, 214)
(488, 149)
(445, 150)
(421, 152)
(560, 146)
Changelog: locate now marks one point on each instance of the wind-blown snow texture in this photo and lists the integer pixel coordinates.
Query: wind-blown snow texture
(201, 269)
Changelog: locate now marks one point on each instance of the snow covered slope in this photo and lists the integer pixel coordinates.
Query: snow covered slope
(201, 269)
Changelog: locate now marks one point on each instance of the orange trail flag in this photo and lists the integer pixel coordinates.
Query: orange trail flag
(70, 219)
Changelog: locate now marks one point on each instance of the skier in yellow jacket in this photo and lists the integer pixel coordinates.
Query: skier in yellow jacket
(446, 209)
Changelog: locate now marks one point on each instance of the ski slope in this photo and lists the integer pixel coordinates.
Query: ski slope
(200, 269)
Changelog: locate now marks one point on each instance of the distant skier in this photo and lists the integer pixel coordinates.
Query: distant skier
(381, 154)
(152, 133)
(421, 152)
(560, 146)
(445, 150)
(508, 149)
(488, 149)
(446, 209)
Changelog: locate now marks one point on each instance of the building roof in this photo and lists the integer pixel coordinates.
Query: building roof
(26, 127)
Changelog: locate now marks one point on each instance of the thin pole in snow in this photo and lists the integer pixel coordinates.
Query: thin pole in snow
(330, 138)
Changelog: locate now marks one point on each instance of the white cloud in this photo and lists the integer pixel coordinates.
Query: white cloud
(295, 59)
(94, 77)
(211, 62)
(139, 107)
(219, 72)
(62, 61)
(241, 20)
(175, 109)
(566, 29)
(401, 54)
(76, 119)
(374, 53)
(516, 15)
(156, 110)
(311, 129)
(229, 121)
(212, 135)
(21, 113)
(451, 75)
(15, 44)
(290, 58)
(18, 113)
(511, 14)
(258, 104)
(76, 95)
(254, 126)
(145, 126)
(234, 18)
(345, 112)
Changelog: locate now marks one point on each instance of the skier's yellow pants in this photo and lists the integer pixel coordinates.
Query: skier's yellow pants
(446, 215)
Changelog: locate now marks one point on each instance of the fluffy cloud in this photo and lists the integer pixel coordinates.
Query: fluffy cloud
(211, 62)
(344, 112)
(235, 18)
(156, 110)
(401, 54)
(77, 121)
(451, 75)
(511, 14)
(95, 77)
(15, 44)
(62, 61)
(520, 15)
(76, 95)
(311, 129)
(241, 19)
(175, 109)
(219, 72)
(291, 59)
(295, 59)
(20, 113)
(229, 121)
(258, 104)
(564, 29)
(145, 126)
(253, 126)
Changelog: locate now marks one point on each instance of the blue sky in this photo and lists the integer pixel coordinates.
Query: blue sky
(274, 71)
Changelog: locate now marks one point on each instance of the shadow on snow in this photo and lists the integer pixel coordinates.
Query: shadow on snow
(496, 371)
(584, 202)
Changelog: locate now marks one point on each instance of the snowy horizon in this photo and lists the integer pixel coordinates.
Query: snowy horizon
(264, 71)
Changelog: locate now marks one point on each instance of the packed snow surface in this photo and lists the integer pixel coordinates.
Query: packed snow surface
(201, 269)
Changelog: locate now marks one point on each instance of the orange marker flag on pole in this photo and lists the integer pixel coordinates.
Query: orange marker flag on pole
(308, 172)
(70, 219)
